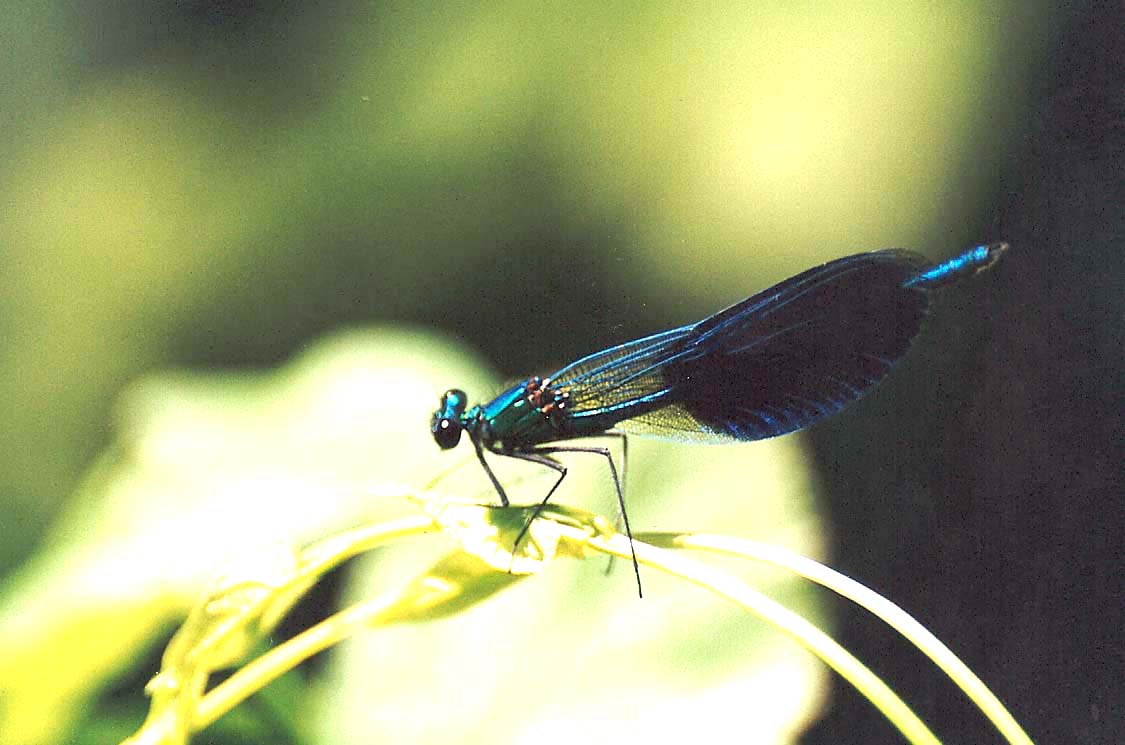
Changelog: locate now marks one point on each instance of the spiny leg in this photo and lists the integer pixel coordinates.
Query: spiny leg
(604, 452)
(619, 523)
(624, 454)
(624, 471)
(554, 465)
(491, 476)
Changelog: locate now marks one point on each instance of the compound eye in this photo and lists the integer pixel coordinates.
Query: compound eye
(446, 423)
(446, 431)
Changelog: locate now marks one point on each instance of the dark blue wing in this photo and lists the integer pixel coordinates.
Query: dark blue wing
(799, 351)
(772, 364)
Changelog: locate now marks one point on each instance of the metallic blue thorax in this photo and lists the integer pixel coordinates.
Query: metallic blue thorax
(528, 413)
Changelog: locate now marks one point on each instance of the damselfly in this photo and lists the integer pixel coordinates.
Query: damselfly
(769, 365)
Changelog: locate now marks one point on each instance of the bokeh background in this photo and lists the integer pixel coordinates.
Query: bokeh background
(217, 186)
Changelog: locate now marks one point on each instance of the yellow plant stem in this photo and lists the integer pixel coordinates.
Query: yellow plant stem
(444, 588)
(279, 660)
(315, 560)
(328, 553)
(792, 624)
(891, 614)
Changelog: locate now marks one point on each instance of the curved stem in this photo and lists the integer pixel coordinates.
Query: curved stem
(891, 614)
(283, 658)
(317, 559)
(792, 624)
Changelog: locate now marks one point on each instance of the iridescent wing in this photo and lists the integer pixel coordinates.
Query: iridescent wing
(620, 382)
(772, 364)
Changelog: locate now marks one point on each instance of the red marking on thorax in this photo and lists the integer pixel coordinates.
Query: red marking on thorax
(550, 403)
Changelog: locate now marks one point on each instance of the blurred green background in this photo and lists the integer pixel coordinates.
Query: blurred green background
(217, 185)
(221, 183)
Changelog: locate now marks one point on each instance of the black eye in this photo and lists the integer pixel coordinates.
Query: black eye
(446, 422)
(446, 431)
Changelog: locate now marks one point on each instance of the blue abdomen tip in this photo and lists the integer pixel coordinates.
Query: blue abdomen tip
(972, 261)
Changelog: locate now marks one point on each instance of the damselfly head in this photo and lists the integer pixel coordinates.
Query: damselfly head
(446, 421)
